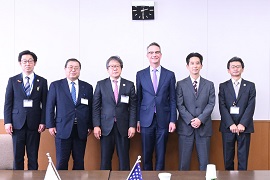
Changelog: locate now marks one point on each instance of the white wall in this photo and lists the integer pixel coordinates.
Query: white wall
(94, 30)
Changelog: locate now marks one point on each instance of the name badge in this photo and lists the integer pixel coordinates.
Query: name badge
(27, 103)
(234, 110)
(84, 101)
(124, 99)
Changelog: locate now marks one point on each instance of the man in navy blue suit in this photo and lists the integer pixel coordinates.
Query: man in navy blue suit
(114, 115)
(24, 111)
(69, 116)
(156, 108)
(236, 106)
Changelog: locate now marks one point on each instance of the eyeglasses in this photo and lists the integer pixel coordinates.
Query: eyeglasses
(152, 52)
(114, 66)
(238, 66)
(30, 61)
(73, 67)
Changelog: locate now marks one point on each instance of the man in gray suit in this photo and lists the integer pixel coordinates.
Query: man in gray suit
(114, 115)
(195, 103)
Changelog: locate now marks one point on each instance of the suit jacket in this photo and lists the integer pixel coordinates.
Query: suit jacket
(105, 107)
(192, 106)
(164, 98)
(245, 101)
(15, 113)
(63, 117)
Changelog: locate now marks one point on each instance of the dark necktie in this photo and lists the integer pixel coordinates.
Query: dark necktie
(27, 86)
(195, 87)
(73, 93)
(115, 90)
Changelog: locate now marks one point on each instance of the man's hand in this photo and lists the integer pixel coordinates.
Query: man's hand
(97, 132)
(52, 131)
(196, 123)
(172, 127)
(234, 129)
(131, 132)
(41, 128)
(138, 127)
(9, 128)
(241, 128)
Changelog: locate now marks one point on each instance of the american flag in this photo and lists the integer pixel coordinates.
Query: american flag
(136, 173)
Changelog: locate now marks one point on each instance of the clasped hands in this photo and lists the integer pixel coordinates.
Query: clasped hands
(237, 129)
(195, 123)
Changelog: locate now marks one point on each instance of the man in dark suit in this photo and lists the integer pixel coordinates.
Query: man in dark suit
(195, 103)
(24, 111)
(156, 108)
(69, 116)
(236, 106)
(114, 115)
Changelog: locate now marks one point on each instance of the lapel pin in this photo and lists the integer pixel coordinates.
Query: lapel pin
(244, 84)
(38, 88)
(124, 84)
(19, 81)
(37, 80)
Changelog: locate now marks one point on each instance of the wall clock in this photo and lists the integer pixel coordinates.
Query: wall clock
(143, 10)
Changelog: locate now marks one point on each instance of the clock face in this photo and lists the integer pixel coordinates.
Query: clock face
(142, 12)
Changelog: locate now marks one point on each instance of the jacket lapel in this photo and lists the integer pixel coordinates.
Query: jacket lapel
(190, 86)
(163, 75)
(242, 89)
(147, 79)
(20, 85)
(230, 88)
(202, 83)
(108, 85)
(66, 89)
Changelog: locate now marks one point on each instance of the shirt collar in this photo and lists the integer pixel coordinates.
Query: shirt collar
(31, 76)
(118, 80)
(158, 68)
(76, 81)
(239, 80)
(198, 79)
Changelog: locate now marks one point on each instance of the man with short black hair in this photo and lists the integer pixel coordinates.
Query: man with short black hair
(236, 105)
(24, 111)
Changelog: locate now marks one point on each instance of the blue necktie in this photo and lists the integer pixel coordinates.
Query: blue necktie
(73, 93)
(27, 86)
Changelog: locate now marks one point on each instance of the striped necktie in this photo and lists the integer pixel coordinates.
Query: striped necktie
(195, 87)
(27, 87)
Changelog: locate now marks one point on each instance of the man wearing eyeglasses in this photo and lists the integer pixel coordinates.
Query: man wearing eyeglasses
(114, 115)
(236, 105)
(24, 111)
(156, 108)
(69, 116)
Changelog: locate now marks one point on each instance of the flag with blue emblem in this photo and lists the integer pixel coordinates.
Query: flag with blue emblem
(135, 173)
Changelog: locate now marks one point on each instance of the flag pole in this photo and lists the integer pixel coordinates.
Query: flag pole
(138, 160)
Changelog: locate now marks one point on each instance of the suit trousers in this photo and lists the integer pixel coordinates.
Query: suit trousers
(73, 145)
(186, 144)
(25, 139)
(108, 143)
(154, 138)
(243, 144)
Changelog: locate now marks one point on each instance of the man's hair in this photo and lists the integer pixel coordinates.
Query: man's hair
(73, 59)
(153, 44)
(194, 54)
(116, 58)
(27, 52)
(235, 59)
